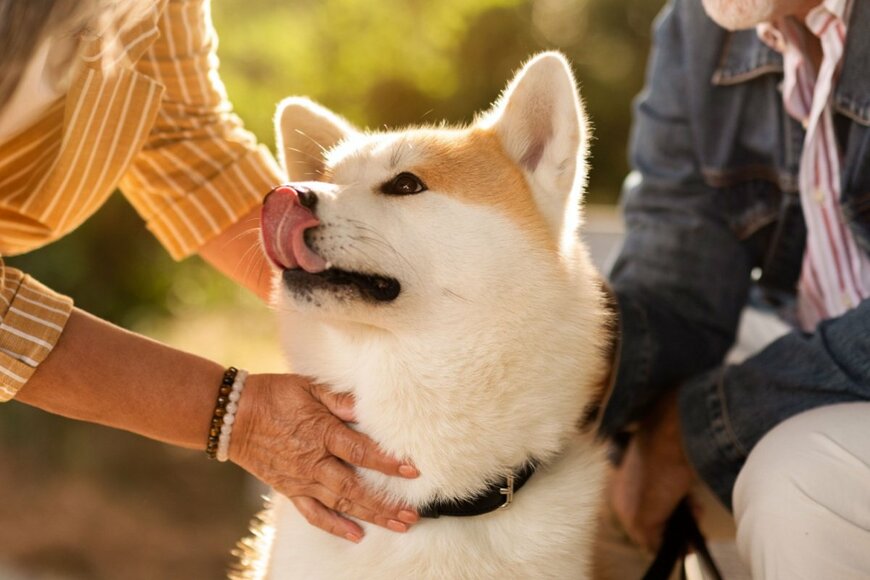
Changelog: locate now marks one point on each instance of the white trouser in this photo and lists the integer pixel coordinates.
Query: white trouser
(802, 500)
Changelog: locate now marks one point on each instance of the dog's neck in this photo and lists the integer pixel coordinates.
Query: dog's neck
(466, 404)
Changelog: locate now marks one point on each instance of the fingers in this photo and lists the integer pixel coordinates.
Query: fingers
(647, 534)
(630, 500)
(399, 522)
(357, 449)
(327, 511)
(645, 490)
(327, 520)
(339, 404)
(351, 446)
(343, 491)
(312, 468)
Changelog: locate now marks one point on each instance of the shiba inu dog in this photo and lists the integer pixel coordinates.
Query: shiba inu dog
(437, 274)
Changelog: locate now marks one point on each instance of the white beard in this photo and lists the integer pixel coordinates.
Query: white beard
(739, 14)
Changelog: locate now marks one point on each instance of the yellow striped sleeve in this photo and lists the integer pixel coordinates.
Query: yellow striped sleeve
(31, 324)
(200, 170)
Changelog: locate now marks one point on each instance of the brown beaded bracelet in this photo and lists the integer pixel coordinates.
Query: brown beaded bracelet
(220, 410)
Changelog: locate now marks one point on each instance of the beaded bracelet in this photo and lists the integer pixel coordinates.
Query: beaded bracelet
(220, 411)
(223, 452)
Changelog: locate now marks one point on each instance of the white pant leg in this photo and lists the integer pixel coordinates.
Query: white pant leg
(802, 501)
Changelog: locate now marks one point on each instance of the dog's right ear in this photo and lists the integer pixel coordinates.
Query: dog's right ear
(304, 132)
(542, 127)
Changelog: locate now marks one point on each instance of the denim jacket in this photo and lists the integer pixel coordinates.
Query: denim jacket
(713, 215)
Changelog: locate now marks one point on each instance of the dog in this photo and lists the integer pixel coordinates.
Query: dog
(438, 275)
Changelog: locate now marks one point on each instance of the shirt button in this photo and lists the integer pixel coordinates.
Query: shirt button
(847, 302)
(819, 195)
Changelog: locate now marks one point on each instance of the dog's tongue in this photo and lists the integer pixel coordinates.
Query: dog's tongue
(284, 220)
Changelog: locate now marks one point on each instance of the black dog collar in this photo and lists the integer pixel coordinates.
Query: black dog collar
(496, 496)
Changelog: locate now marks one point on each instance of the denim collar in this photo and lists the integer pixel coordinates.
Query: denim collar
(745, 57)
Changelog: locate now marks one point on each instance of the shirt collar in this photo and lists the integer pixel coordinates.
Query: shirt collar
(771, 33)
(745, 57)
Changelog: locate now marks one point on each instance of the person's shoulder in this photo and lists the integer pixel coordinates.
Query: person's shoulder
(690, 17)
(684, 29)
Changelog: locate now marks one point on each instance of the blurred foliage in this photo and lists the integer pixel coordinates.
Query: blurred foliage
(385, 63)
(397, 62)
(115, 270)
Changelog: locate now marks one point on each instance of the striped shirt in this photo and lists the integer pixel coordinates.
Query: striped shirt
(835, 275)
(145, 111)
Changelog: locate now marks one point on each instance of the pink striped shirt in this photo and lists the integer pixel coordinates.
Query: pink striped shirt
(835, 275)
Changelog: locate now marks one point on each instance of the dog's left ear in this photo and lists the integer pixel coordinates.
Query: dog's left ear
(540, 121)
(304, 132)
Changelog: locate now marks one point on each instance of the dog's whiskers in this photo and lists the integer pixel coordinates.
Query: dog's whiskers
(312, 139)
(249, 261)
(245, 233)
(376, 238)
(453, 294)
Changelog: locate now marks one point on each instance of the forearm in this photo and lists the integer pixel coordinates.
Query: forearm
(673, 323)
(236, 253)
(103, 374)
(726, 412)
(683, 272)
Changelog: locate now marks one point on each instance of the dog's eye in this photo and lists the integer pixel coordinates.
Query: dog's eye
(404, 184)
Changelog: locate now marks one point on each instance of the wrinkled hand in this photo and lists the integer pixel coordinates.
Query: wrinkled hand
(290, 433)
(653, 477)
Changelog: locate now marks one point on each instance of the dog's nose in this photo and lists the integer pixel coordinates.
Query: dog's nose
(307, 198)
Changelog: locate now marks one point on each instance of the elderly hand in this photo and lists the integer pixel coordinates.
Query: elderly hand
(290, 433)
(653, 477)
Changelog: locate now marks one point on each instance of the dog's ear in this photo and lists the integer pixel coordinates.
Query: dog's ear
(304, 132)
(541, 124)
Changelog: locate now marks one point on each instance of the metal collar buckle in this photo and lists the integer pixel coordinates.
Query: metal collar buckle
(507, 492)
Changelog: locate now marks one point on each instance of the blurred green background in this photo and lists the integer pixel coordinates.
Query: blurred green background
(79, 501)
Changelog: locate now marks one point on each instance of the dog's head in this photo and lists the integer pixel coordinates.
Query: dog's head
(391, 228)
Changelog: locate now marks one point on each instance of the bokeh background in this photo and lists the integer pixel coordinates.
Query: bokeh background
(84, 502)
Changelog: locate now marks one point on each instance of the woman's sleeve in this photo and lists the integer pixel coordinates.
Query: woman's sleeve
(200, 170)
(31, 323)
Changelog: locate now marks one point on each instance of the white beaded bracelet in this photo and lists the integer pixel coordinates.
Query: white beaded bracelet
(229, 418)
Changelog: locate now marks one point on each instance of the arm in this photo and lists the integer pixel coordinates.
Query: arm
(284, 433)
(681, 281)
(710, 427)
(237, 254)
(201, 176)
(724, 413)
(682, 276)
(153, 391)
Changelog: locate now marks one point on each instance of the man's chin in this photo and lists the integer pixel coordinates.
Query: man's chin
(739, 14)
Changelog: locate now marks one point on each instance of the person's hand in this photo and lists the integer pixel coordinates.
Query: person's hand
(290, 433)
(653, 477)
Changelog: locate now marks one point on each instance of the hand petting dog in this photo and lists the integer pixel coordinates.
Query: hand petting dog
(318, 448)
(653, 477)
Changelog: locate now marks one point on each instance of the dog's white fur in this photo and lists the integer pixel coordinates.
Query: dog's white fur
(489, 355)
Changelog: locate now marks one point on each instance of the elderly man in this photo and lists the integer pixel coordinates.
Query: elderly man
(751, 184)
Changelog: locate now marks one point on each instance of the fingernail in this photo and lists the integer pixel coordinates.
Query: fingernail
(408, 516)
(407, 470)
(353, 538)
(397, 526)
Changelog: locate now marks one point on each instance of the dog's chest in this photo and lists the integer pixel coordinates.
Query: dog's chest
(461, 414)
(546, 533)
